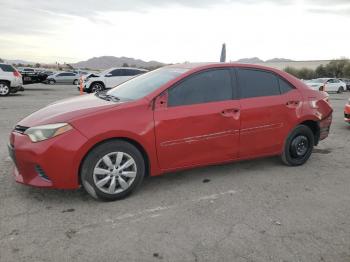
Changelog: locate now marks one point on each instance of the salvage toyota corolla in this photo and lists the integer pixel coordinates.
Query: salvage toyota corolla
(173, 118)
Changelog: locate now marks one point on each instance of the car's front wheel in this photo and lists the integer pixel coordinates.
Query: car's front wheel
(51, 81)
(4, 88)
(96, 87)
(112, 170)
(298, 146)
(75, 82)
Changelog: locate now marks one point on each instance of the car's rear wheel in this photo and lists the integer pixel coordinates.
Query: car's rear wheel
(340, 90)
(96, 87)
(51, 81)
(4, 88)
(75, 82)
(112, 170)
(298, 146)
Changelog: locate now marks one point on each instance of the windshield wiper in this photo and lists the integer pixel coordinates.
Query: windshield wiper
(105, 96)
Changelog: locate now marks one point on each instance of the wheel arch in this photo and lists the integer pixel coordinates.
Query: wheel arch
(315, 128)
(134, 142)
(7, 81)
(99, 82)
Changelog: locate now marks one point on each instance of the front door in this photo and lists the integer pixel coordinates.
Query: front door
(197, 121)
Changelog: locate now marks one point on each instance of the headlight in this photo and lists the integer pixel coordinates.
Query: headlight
(40, 133)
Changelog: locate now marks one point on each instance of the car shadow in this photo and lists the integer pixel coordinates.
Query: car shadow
(158, 183)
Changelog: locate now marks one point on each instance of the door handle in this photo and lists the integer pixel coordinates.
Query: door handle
(232, 112)
(292, 103)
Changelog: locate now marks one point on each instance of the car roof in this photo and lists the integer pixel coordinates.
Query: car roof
(132, 68)
(204, 65)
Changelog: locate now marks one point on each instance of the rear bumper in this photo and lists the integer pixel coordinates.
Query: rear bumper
(325, 126)
(347, 113)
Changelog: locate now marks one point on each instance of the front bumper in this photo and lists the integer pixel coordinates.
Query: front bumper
(84, 88)
(53, 163)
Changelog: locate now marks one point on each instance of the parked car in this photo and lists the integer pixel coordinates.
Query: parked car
(347, 82)
(30, 75)
(177, 117)
(347, 112)
(111, 78)
(327, 85)
(10, 80)
(63, 78)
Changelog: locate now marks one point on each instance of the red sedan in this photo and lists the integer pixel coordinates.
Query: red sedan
(173, 118)
(347, 112)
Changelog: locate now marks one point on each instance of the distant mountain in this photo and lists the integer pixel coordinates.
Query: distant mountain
(257, 60)
(252, 60)
(105, 62)
(18, 61)
(278, 60)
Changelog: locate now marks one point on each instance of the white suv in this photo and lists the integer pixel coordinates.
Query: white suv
(10, 80)
(110, 78)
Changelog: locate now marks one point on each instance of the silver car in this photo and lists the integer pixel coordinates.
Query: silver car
(63, 78)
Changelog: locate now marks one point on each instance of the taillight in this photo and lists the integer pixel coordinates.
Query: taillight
(16, 73)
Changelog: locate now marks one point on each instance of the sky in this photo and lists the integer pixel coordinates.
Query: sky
(173, 31)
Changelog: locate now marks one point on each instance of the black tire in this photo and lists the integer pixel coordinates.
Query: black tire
(51, 82)
(95, 159)
(340, 90)
(4, 88)
(96, 87)
(75, 82)
(298, 146)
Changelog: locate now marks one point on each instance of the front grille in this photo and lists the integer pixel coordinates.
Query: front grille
(20, 129)
(41, 173)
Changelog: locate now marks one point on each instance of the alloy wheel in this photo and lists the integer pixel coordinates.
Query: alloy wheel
(115, 172)
(4, 89)
(96, 88)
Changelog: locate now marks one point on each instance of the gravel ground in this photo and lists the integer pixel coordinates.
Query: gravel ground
(255, 210)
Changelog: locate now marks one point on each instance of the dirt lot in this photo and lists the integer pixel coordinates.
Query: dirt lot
(256, 210)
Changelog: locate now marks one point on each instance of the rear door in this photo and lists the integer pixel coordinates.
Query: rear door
(113, 78)
(269, 107)
(197, 120)
(60, 78)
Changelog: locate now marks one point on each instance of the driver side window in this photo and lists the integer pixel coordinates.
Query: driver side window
(204, 87)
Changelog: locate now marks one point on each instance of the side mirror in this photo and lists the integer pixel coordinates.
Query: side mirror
(108, 75)
(161, 102)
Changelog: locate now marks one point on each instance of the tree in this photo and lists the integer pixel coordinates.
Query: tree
(125, 65)
(291, 70)
(321, 71)
(306, 73)
(37, 65)
(1, 61)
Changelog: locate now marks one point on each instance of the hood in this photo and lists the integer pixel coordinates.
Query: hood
(315, 84)
(64, 110)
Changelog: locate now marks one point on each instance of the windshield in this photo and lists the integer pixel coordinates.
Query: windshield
(145, 84)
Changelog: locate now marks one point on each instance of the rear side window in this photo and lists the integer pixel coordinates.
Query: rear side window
(257, 83)
(208, 86)
(284, 86)
(7, 68)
